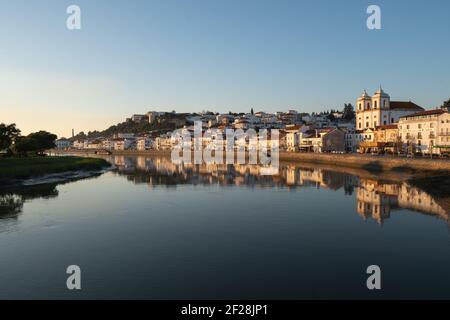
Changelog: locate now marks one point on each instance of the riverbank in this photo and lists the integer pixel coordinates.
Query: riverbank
(370, 162)
(13, 169)
(362, 161)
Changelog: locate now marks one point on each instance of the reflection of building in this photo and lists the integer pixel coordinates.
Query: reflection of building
(376, 200)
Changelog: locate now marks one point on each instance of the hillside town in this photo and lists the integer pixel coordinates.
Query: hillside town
(376, 125)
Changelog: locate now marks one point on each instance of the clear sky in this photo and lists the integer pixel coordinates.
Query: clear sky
(133, 56)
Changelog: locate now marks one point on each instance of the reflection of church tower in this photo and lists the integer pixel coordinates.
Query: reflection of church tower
(373, 203)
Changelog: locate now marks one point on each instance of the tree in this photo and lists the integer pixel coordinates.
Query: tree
(8, 135)
(23, 145)
(43, 140)
(349, 112)
(36, 142)
(252, 111)
(331, 117)
(446, 104)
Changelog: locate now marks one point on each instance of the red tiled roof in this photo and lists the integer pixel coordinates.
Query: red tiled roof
(408, 105)
(387, 126)
(426, 113)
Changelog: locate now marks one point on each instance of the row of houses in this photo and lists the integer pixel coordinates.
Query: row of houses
(380, 126)
(258, 120)
(425, 132)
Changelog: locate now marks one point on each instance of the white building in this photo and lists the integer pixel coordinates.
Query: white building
(124, 135)
(153, 115)
(443, 140)
(138, 117)
(63, 143)
(163, 142)
(94, 144)
(380, 110)
(293, 134)
(143, 144)
(425, 132)
(121, 144)
(352, 140)
(80, 144)
(108, 144)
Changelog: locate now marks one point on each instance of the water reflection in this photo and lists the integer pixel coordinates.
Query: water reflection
(13, 200)
(374, 198)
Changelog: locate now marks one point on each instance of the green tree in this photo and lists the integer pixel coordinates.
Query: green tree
(23, 145)
(446, 104)
(36, 142)
(43, 140)
(8, 135)
(349, 112)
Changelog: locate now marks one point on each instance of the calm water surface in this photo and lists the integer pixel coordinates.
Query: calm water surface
(151, 229)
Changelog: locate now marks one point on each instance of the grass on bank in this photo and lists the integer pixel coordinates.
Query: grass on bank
(22, 168)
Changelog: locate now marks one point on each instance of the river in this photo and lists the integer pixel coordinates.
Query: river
(150, 229)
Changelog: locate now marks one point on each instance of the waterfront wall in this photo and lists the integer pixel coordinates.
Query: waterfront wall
(363, 161)
(368, 161)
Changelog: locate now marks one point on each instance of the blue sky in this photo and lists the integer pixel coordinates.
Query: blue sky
(220, 55)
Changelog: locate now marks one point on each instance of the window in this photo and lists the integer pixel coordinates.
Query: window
(392, 120)
(419, 126)
(368, 105)
(360, 125)
(367, 124)
(384, 122)
(375, 105)
(375, 124)
(407, 126)
(384, 103)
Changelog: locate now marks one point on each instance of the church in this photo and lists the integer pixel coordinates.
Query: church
(379, 110)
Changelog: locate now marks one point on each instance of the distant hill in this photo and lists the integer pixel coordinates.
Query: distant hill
(165, 123)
